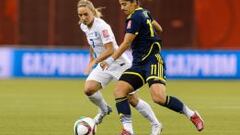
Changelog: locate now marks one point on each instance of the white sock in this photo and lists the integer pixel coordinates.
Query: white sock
(98, 100)
(127, 123)
(188, 112)
(146, 110)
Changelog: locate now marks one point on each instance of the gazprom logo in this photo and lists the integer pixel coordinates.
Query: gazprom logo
(52, 64)
(193, 65)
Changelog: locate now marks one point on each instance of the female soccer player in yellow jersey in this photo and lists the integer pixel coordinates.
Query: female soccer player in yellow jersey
(147, 66)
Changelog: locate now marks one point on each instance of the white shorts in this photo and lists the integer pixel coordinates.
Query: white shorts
(105, 76)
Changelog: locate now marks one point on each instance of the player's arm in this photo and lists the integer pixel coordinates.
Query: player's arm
(91, 54)
(128, 39)
(157, 27)
(105, 54)
(108, 52)
(91, 63)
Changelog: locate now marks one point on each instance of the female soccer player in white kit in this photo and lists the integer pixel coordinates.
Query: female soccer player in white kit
(102, 45)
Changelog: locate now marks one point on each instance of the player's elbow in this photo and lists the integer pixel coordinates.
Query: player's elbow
(159, 31)
(157, 27)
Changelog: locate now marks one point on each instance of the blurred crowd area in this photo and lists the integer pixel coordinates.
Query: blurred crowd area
(187, 24)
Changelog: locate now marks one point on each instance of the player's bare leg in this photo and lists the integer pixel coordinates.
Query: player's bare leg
(158, 93)
(92, 90)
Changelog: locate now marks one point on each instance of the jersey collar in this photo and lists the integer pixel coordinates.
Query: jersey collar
(129, 16)
(93, 24)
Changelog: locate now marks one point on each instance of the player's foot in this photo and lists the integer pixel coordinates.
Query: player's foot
(197, 121)
(99, 117)
(156, 129)
(125, 132)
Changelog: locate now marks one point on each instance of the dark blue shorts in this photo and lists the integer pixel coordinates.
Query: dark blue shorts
(152, 70)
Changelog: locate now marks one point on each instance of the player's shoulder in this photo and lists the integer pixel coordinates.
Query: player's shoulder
(139, 14)
(100, 23)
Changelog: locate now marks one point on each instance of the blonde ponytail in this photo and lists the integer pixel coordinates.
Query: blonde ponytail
(86, 3)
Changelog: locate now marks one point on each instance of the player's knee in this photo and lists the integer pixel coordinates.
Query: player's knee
(89, 90)
(122, 89)
(159, 99)
(119, 93)
(133, 100)
(158, 93)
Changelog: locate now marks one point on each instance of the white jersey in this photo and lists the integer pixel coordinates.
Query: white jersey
(99, 34)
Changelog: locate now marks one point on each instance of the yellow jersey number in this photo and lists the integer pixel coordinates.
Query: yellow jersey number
(150, 27)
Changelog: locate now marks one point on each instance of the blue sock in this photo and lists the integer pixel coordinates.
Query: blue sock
(123, 106)
(174, 104)
(124, 112)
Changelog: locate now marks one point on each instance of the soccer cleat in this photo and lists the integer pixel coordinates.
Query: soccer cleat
(99, 117)
(156, 129)
(125, 132)
(197, 121)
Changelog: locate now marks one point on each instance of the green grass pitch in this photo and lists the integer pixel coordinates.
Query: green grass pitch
(50, 107)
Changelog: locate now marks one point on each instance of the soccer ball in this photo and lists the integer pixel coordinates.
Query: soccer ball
(85, 126)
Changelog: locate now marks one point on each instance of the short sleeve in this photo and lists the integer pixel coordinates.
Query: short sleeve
(106, 34)
(133, 26)
(149, 15)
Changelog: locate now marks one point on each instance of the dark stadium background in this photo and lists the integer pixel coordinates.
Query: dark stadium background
(43, 53)
(188, 24)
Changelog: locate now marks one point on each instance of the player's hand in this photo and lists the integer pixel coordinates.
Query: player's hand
(104, 65)
(89, 67)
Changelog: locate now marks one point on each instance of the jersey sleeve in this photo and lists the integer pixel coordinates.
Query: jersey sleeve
(149, 15)
(133, 26)
(106, 34)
